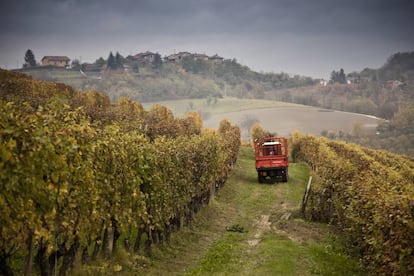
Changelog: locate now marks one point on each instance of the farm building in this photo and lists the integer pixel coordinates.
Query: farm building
(59, 61)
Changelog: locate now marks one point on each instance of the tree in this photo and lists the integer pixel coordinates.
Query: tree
(341, 76)
(257, 132)
(100, 62)
(157, 62)
(119, 61)
(403, 118)
(338, 76)
(29, 59)
(334, 75)
(248, 121)
(111, 63)
(354, 77)
(76, 64)
(135, 68)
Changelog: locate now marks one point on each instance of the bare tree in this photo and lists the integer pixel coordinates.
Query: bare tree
(248, 121)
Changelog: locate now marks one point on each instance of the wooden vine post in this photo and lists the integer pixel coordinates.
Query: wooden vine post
(305, 197)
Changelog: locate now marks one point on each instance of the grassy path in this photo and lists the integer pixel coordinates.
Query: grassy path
(271, 240)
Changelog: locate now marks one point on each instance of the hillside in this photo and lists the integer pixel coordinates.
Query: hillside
(189, 78)
(377, 92)
(387, 100)
(399, 66)
(386, 92)
(372, 91)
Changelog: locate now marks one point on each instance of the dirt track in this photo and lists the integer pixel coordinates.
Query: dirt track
(287, 119)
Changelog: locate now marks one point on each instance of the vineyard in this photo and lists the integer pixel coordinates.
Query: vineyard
(369, 194)
(81, 176)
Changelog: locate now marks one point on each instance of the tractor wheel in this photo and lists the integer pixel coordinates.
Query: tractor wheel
(260, 178)
(286, 176)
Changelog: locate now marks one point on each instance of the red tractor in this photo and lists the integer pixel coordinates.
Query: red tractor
(272, 158)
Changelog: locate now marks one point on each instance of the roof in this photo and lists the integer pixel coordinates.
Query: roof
(216, 57)
(147, 53)
(179, 55)
(200, 55)
(56, 58)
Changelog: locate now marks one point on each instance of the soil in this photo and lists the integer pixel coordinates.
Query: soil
(284, 223)
(301, 231)
(261, 226)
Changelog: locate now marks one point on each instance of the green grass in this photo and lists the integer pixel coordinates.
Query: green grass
(286, 247)
(180, 107)
(276, 253)
(328, 260)
(222, 257)
(281, 256)
(206, 248)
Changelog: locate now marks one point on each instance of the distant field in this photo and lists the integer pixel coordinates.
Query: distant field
(279, 117)
(69, 77)
(305, 119)
(225, 105)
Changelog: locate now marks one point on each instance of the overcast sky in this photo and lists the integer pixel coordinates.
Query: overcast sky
(306, 37)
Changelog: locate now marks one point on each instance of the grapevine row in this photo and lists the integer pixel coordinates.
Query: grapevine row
(72, 187)
(369, 194)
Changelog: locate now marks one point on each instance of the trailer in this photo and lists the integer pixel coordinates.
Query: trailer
(272, 159)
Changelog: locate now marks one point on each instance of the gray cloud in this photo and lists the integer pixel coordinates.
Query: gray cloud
(293, 36)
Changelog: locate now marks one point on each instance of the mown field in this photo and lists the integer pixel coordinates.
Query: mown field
(218, 106)
(280, 117)
(284, 120)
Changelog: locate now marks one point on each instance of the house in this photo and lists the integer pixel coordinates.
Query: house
(177, 57)
(323, 82)
(216, 58)
(146, 57)
(92, 67)
(59, 61)
(200, 57)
